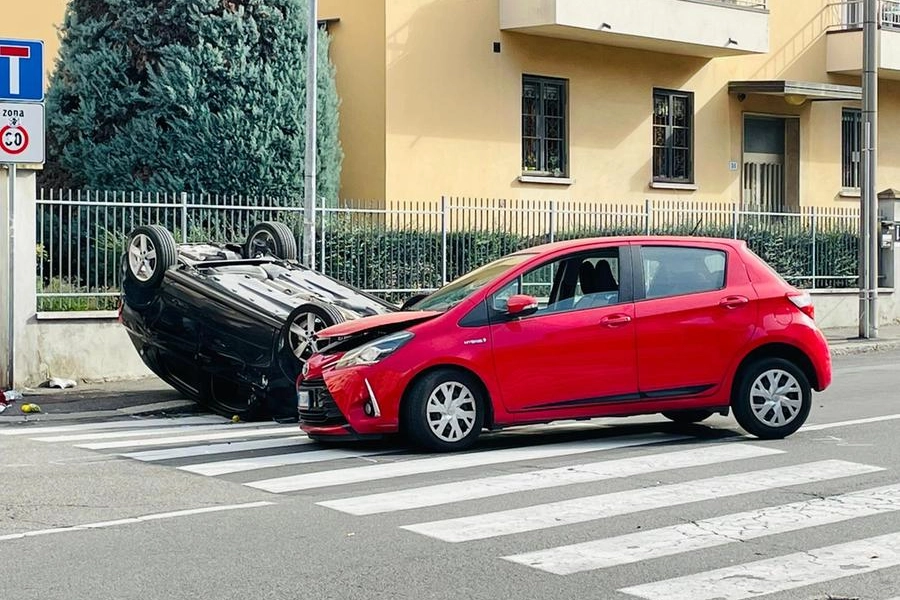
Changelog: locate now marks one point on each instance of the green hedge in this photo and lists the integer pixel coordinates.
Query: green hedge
(375, 258)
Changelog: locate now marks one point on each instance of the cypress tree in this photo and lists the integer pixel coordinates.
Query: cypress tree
(203, 96)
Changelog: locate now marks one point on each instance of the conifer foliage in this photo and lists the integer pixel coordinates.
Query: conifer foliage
(201, 96)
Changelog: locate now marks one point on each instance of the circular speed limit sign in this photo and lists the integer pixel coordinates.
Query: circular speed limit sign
(13, 140)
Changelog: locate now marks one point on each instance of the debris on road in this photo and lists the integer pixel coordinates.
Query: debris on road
(58, 382)
(8, 398)
(30, 408)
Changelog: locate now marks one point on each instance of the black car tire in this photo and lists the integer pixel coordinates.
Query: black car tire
(419, 418)
(789, 382)
(142, 270)
(271, 238)
(323, 316)
(685, 417)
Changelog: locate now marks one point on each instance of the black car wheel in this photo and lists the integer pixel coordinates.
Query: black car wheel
(151, 251)
(444, 411)
(271, 238)
(773, 398)
(303, 324)
(687, 416)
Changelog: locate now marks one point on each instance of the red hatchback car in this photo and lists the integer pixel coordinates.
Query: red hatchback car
(574, 330)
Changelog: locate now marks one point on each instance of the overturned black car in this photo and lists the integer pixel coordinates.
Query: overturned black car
(230, 325)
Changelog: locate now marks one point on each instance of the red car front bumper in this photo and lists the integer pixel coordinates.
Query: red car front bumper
(355, 402)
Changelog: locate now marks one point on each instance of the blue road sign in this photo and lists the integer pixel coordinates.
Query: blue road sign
(22, 70)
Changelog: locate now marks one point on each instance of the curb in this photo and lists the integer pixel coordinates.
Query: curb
(128, 411)
(863, 347)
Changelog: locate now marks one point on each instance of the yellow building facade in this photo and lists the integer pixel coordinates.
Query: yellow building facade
(750, 101)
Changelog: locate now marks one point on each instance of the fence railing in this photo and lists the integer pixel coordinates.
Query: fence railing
(407, 247)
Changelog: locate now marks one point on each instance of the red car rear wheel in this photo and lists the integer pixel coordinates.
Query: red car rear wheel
(773, 399)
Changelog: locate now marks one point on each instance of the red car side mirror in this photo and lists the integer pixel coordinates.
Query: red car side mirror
(521, 305)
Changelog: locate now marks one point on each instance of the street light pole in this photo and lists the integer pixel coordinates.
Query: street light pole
(869, 225)
(309, 189)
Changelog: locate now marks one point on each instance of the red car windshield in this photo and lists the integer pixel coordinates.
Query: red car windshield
(461, 288)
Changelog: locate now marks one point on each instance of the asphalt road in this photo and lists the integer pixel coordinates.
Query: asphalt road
(611, 509)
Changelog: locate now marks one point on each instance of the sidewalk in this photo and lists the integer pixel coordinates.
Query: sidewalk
(152, 395)
(845, 340)
(109, 399)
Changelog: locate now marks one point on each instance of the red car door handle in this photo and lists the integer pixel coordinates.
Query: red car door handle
(615, 320)
(733, 301)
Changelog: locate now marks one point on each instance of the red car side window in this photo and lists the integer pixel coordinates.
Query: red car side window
(675, 271)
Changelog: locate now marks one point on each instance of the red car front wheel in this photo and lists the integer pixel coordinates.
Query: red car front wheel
(444, 411)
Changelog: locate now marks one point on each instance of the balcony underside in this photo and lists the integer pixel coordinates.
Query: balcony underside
(629, 41)
(703, 28)
(845, 53)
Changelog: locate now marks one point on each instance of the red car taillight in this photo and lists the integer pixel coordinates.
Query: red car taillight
(803, 301)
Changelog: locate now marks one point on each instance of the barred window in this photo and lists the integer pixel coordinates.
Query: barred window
(544, 126)
(673, 136)
(851, 146)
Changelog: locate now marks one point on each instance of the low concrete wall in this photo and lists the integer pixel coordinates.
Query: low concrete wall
(840, 308)
(75, 348)
(97, 349)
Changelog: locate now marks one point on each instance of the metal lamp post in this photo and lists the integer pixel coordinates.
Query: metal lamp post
(869, 222)
(309, 191)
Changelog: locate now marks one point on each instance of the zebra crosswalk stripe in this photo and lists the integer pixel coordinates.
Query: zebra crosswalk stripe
(186, 439)
(486, 487)
(779, 574)
(132, 424)
(580, 510)
(225, 467)
(212, 449)
(709, 533)
(350, 475)
(111, 435)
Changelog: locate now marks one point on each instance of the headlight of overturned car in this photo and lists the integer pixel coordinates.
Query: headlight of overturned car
(374, 351)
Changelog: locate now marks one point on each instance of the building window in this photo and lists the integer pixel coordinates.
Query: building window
(851, 134)
(673, 136)
(544, 127)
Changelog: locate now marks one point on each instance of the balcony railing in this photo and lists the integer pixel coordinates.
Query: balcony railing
(849, 14)
(844, 48)
(757, 4)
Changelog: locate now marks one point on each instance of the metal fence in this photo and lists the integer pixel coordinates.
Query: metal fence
(407, 247)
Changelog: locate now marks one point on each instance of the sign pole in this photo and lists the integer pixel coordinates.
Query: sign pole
(21, 142)
(10, 291)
